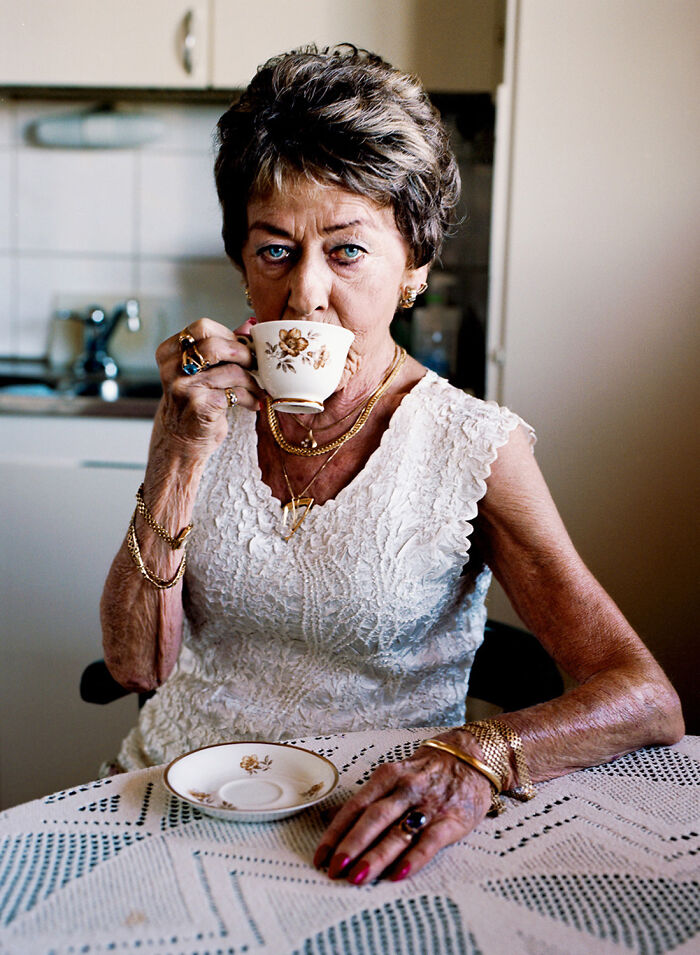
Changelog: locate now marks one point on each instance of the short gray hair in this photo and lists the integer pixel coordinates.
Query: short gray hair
(340, 116)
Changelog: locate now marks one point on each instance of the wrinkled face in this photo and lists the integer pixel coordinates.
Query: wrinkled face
(321, 253)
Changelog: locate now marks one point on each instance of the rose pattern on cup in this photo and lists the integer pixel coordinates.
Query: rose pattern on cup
(293, 345)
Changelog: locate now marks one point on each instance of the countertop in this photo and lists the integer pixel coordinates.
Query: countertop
(32, 387)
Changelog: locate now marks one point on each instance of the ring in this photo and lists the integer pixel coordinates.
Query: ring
(231, 397)
(413, 822)
(192, 360)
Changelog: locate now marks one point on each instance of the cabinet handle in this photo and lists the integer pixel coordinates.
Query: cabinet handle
(189, 42)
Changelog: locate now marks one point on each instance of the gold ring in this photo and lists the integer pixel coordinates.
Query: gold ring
(231, 397)
(412, 823)
(192, 360)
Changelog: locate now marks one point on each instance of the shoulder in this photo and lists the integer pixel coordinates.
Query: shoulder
(461, 419)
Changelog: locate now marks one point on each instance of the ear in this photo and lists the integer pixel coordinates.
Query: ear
(414, 278)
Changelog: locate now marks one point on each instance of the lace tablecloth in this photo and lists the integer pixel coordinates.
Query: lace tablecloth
(604, 860)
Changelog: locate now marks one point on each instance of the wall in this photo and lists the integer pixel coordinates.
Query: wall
(602, 295)
(101, 222)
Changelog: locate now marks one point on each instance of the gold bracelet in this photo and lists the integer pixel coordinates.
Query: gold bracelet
(160, 583)
(497, 740)
(524, 789)
(497, 805)
(175, 543)
(493, 746)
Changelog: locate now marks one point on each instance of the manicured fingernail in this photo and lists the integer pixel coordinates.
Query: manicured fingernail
(360, 875)
(323, 855)
(402, 873)
(338, 864)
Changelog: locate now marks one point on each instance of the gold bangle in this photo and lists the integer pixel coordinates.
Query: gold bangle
(466, 758)
(497, 805)
(175, 543)
(160, 583)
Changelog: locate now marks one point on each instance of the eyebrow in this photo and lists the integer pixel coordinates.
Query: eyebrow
(277, 230)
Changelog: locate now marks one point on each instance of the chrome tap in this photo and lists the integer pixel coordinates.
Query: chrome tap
(95, 360)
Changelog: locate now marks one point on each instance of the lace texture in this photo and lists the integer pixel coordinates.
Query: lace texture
(363, 619)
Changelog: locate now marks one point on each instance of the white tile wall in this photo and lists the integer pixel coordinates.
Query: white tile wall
(76, 201)
(204, 289)
(6, 206)
(118, 222)
(6, 295)
(178, 208)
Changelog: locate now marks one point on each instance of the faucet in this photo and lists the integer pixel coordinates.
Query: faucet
(95, 360)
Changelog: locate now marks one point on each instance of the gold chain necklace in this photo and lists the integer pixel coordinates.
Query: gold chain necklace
(310, 441)
(289, 448)
(300, 500)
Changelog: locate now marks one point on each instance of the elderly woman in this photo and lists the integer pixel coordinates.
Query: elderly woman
(337, 182)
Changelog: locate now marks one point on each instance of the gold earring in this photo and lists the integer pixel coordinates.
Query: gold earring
(408, 296)
(246, 292)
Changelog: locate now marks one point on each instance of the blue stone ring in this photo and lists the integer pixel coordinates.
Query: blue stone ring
(413, 822)
(191, 360)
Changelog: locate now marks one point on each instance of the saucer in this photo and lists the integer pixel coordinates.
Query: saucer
(251, 782)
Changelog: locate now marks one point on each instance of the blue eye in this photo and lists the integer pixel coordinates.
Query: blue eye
(274, 253)
(349, 253)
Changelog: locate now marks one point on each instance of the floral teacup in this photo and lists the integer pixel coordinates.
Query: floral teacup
(300, 363)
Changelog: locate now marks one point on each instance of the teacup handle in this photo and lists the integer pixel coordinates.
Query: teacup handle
(250, 345)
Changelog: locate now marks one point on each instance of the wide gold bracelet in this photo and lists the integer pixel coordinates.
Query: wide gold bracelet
(497, 740)
(132, 543)
(497, 806)
(524, 789)
(175, 543)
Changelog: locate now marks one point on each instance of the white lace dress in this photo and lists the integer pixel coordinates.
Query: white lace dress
(363, 619)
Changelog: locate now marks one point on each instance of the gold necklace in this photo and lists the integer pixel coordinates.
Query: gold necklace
(310, 441)
(300, 500)
(289, 448)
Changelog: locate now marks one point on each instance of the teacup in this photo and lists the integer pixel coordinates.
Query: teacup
(300, 363)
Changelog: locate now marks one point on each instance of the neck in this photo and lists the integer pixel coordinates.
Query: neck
(360, 379)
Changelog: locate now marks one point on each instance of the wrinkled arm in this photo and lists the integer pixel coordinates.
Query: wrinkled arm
(623, 700)
(142, 625)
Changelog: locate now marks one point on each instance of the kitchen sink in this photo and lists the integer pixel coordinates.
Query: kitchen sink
(32, 388)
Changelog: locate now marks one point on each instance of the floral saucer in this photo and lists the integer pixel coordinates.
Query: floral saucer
(251, 782)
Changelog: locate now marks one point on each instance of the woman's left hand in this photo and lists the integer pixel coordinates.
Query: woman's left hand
(366, 840)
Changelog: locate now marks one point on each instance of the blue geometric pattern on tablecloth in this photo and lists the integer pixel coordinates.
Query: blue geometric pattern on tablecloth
(650, 916)
(34, 865)
(425, 925)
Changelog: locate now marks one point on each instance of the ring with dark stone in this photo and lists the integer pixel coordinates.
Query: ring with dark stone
(413, 822)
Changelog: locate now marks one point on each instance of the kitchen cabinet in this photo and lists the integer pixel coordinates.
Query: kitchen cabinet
(68, 490)
(453, 47)
(146, 43)
(110, 43)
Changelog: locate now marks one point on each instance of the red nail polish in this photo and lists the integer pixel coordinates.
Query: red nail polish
(402, 873)
(361, 874)
(338, 864)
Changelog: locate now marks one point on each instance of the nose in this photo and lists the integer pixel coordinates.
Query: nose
(309, 288)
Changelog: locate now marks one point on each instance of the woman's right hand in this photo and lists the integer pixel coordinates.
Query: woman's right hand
(193, 410)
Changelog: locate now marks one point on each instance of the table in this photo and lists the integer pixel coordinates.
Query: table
(604, 860)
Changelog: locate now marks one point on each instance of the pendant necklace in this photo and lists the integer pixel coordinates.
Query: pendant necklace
(310, 441)
(298, 501)
(360, 422)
